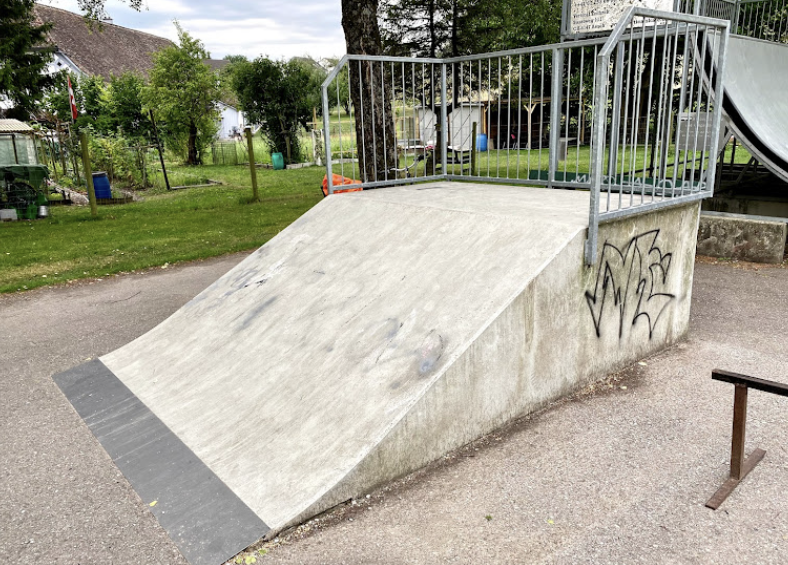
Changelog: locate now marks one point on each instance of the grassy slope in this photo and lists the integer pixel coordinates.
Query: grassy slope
(164, 228)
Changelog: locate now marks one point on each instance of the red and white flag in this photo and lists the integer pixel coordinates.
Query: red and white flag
(74, 113)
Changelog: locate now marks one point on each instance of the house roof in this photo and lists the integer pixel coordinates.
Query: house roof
(14, 126)
(105, 50)
(216, 64)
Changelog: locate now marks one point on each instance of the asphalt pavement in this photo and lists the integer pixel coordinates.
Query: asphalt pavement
(616, 474)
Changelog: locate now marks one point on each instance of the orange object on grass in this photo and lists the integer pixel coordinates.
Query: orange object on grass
(339, 180)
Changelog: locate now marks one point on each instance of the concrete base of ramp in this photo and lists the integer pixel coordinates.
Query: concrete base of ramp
(376, 333)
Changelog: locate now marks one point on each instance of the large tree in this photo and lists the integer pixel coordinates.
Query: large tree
(23, 57)
(442, 28)
(279, 96)
(184, 93)
(374, 118)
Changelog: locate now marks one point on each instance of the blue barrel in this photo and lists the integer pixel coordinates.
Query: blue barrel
(101, 185)
(481, 142)
(278, 161)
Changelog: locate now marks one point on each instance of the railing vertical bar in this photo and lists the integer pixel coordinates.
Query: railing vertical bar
(444, 121)
(509, 115)
(327, 140)
(555, 113)
(638, 101)
(661, 102)
(682, 94)
(541, 116)
(690, 99)
(519, 113)
(718, 93)
(372, 117)
(625, 129)
(700, 70)
(414, 102)
(580, 88)
(339, 116)
(498, 132)
(568, 113)
(383, 112)
(530, 111)
(393, 99)
(616, 126)
(594, 109)
(489, 108)
(363, 132)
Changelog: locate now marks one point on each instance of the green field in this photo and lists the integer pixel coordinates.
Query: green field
(166, 227)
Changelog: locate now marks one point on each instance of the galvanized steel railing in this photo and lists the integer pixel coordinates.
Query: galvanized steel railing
(759, 19)
(630, 117)
(656, 140)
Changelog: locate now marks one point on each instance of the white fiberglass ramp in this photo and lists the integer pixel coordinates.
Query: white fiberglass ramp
(376, 333)
(756, 99)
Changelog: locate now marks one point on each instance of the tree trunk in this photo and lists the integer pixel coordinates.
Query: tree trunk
(433, 33)
(374, 118)
(193, 158)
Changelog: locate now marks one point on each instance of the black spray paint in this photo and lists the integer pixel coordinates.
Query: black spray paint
(634, 277)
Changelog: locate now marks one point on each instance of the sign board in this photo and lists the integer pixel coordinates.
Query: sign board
(589, 17)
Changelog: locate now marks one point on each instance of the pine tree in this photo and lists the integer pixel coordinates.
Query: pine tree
(23, 57)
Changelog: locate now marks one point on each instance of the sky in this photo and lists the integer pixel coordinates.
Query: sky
(275, 28)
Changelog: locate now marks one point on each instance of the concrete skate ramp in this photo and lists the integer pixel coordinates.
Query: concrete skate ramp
(376, 333)
(756, 103)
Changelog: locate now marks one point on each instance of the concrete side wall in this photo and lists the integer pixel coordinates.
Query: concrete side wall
(563, 331)
(739, 237)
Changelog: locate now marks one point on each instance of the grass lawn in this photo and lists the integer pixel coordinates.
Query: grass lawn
(166, 227)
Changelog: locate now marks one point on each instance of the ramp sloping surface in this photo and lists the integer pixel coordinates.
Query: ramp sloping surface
(279, 380)
(756, 99)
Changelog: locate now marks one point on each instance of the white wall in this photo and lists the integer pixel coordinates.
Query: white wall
(230, 118)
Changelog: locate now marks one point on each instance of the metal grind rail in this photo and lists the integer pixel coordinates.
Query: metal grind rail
(630, 117)
(741, 466)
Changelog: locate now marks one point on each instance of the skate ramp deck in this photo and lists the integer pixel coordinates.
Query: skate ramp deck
(756, 104)
(376, 333)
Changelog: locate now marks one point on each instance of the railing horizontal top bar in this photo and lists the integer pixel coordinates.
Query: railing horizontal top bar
(395, 182)
(666, 202)
(772, 387)
(334, 72)
(526, 50)
(389, 59)
(609, 42)
(623, 25)
(498, 180)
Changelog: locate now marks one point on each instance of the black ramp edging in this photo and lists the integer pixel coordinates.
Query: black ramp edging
(207, 521)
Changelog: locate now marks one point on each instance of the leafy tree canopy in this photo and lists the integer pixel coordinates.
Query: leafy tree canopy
(184, 92)
(439, 28)
(279, 96)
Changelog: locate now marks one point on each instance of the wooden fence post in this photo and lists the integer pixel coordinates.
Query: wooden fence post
(252, 166)
(83, 138)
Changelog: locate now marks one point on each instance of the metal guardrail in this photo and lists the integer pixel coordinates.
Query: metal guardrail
(630, 117)
(656, 140)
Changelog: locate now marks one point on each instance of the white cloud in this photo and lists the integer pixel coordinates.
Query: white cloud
(245, 27)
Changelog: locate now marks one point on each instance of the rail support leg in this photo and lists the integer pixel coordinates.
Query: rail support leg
(740, 467)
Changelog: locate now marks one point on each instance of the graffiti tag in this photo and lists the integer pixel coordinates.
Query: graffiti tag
(634, 279)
